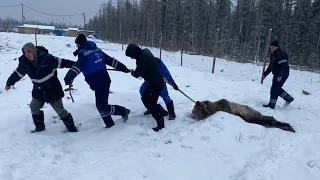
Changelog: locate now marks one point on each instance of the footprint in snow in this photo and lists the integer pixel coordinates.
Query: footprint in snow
(314, 164)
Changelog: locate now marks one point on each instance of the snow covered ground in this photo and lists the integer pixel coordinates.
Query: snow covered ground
(221, 147)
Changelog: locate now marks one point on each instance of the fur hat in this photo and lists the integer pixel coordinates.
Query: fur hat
(31, 47)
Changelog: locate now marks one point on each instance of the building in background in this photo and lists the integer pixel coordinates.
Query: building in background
(73, 32)
(52, 30)
(39, 29)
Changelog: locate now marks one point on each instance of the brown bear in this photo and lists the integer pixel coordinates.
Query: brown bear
(204, 109)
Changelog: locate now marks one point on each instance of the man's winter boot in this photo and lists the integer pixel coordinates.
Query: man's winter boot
(126, 115)
(160, 123)
(38, 121)
(68, 122)
(147, 112)
(162, 111)
(270, 105)
(288, 99)
(170, 108)
(108, 121)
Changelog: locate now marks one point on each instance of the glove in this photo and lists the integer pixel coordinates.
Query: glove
(76, 52)
(175, 87)
(7, 88)
(67, 82)
(127, 70)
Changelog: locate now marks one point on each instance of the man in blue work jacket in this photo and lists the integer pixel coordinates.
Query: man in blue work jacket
(91, 62)
(279, 66)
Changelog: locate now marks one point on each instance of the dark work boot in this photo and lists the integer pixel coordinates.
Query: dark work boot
(288, 99)
(108, 121)
(162, 111)
(160, 126)
(38, 121)
(126, 115)
(170, 108)
(68, 122)
(270, 105)
(147, 112)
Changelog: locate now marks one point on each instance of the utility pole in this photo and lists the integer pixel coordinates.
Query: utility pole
(22, 16)
(84, 20)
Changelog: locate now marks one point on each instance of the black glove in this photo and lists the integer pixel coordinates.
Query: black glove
(76, 52)
(175, 87)
(67, 82)
(127, 70)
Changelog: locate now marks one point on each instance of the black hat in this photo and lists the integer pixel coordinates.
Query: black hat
(80, 39)
(274, 43)
(133, 51)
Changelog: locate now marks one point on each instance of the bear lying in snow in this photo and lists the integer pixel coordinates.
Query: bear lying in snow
(204, 109)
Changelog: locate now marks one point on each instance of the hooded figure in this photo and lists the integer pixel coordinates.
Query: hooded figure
(92, 63)
(148, 69)
(42, 67)
(164, 93)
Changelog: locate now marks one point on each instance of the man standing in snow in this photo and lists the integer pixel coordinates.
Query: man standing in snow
(279, 66)
(42, 67)
(164, 93)
(148, 69)
(92, 63)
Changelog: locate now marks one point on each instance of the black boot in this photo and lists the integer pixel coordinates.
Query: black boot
(160, 126)
(38, 121)
(126, 115)
(170, 108)
(162, 111)
(288, 99)
(270, 105)
(68, 122)
(108, 121)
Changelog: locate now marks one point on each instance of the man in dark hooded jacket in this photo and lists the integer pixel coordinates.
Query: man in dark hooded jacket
(42, 67)
(149, 70)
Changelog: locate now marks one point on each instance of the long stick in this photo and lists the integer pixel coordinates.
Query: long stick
(179, 90)
(70, 88)
(112, 69)
(266, 54)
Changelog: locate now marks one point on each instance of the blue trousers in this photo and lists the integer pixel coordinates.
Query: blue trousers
(164, 93)
(277, 90)
(105, 109)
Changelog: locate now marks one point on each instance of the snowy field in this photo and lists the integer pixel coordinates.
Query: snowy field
(221, 147)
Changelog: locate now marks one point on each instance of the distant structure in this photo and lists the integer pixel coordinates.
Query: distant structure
(42, 29)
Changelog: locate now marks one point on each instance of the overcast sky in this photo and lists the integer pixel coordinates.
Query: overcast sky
(89, 7)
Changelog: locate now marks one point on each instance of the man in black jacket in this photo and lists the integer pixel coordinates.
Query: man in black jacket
(42, 67)
(279, 66)
(148, 69)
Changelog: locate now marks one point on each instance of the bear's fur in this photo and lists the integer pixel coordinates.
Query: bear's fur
(204, 109)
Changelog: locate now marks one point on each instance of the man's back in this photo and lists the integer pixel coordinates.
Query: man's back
(148, 69)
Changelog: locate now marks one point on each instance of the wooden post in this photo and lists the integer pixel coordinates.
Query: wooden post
(160, 44)
(266, 54)
(317, 48)
(35, 36)
(215, 51)
(181, 48)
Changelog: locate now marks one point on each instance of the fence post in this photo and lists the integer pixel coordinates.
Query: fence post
(215, 51)
(266, 54)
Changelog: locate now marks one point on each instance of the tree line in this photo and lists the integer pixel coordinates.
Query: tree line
(239, 27)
